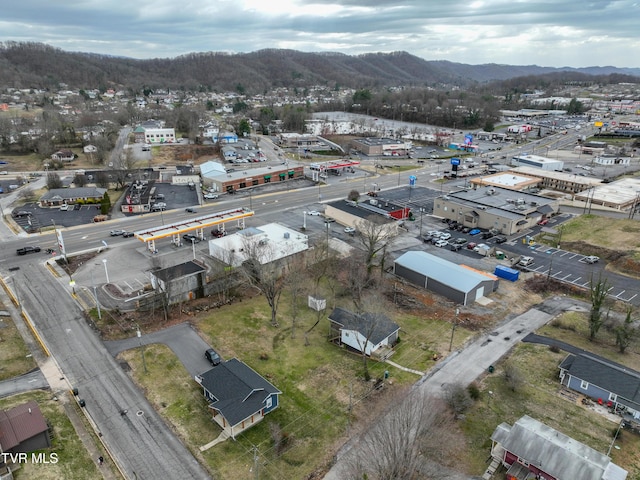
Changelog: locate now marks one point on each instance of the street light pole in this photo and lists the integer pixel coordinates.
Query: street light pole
(106, 272)
(95, 295)
(193, 246)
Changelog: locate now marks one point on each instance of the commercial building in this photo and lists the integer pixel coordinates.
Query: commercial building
(240, 180)
(509, 180)
(381, 146)
(559, 181)
(504, 210)
(537, 161)
(352, 214)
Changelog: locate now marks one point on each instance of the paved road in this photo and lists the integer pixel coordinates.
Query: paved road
(468, 364)
(33, 380)
(182, 339)
(139, 441)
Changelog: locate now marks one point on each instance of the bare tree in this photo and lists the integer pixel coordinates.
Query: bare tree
(625, 332)
(513, 376)
(598, 295)
(295, 282)
(53, 181)
(374, 235)
(408, 442)
(457, 398)
(264, 272)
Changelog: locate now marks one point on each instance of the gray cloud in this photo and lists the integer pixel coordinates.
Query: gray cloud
(543, 32)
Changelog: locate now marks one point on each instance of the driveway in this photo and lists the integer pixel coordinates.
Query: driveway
(182, 339)
(33, 380)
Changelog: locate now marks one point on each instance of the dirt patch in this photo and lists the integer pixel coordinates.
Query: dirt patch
(619, 261)
(183, 154)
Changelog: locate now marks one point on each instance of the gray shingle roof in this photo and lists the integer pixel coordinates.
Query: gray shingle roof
(382, 325)
(555, 453)
(613, 377)
(239, 391)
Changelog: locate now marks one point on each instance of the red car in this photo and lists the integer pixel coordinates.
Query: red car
(471, 245)
(544, 221)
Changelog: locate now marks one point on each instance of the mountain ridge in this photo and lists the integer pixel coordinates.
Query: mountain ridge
(36, 65)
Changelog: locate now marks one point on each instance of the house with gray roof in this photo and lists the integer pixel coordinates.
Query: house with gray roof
(460, 284)
(604, 381)
(530, 449)
(238, 396)
(366, 332)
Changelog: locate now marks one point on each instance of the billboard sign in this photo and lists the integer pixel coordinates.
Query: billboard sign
(468, 139)
(412, 180)
(598, 124)
(455, 161)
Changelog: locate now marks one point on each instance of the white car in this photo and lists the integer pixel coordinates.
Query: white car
(591, 259)
(65, 207)
(349, 230)
(314, 213)
(445, 235)
(441, 243)
(434, 233)
(210, 196)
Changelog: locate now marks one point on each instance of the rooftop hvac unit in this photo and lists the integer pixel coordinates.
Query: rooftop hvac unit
(510, 200)
(491, 191)
(520, 201)
(286, 235)
(373, 201)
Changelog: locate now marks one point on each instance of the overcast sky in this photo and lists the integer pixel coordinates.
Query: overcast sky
(555, 33)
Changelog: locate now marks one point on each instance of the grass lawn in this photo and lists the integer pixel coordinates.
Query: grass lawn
(15, 358)
(539, 397)
(318, 382)
(73, 460)
(604, 232)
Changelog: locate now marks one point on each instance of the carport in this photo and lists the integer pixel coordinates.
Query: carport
(196, 225)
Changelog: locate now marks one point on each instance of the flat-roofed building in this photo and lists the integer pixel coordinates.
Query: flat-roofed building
(504, 210)
(510, 180)
(537, 161)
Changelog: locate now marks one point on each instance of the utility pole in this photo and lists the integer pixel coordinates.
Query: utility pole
(453, 328)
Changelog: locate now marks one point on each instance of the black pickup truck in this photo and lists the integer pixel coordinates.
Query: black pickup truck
(25, 250)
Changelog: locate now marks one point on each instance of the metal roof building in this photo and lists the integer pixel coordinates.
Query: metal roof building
(455, 282)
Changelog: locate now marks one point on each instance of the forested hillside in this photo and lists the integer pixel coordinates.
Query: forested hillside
(35, 65)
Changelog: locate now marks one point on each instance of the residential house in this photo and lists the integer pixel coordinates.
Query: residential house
(63, 156)
(23, 429)
(532, 450)
(604, 381)
(371, 333)
(238, 396)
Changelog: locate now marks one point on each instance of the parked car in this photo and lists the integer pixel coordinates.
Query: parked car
(116, 233)
(445, 236)
(455, 247)
(441, 243)
(471, 245)
(475, 231)
(349, 230)
(434, 233)
(157, 207)
(21, 213)
(313, 213)
(212, 356)
(190, 238)
(544, 221)
(64, 207)
(28, 249)
(486, 235)
(190, 210)
(525, 261)
(500, 239)
(591, 259)
(218, 233)
(210, 196)
(460, 241)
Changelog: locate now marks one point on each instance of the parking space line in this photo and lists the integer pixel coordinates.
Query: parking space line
(577, 279)
(634, 296)
(618, 295)
(564, 278)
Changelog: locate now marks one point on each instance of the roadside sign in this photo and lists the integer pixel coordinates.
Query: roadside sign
(455, 161)
(598, 124)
